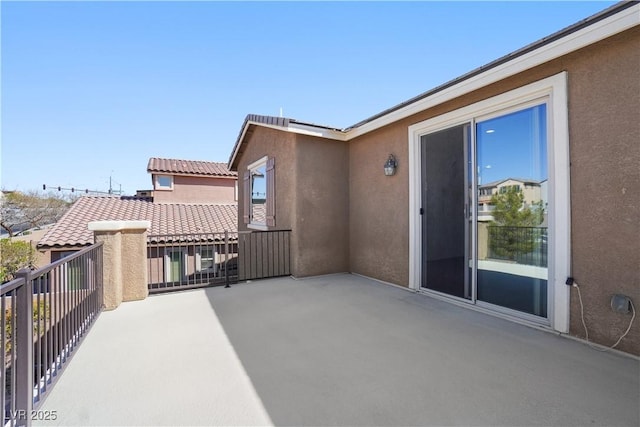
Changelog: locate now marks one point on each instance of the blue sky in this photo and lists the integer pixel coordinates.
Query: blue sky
(92, 90)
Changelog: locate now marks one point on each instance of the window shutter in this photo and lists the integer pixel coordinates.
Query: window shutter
(246, 197)
(271, 191)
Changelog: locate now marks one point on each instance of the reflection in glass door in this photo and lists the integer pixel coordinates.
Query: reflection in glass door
(496, 253)
(512, 211)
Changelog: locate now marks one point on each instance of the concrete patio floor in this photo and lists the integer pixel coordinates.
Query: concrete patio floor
(333, 350)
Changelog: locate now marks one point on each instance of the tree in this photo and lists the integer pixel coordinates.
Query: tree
(515, 226)
(21, 211)
(14, 255)
(509, 209)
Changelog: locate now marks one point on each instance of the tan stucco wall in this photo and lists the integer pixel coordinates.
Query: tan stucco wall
(197, 189)
(134, 265)
(281, 145)
(604, 126)
(322, 206)
(604, 132)
(124, 260)
(312, 197)
(42, 256)
(111, 268)
(379, 206)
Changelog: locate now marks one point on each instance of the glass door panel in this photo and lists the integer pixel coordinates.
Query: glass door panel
(445, 226)
(511, 154)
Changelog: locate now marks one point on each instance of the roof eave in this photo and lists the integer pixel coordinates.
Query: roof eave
(613, 20)
(282, 124)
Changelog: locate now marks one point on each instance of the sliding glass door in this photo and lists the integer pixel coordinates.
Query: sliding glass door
(484, 211)
(512, 210)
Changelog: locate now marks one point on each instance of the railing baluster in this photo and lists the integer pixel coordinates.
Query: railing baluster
(14, 324)
(226, 259)
(24, 364)
(3, 345)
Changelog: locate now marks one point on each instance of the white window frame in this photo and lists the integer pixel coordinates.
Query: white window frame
(158, 187)
(553, 91)
(167, 262)
(262, 226)
(199, 258)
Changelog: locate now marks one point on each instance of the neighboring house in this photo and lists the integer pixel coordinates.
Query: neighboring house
(190, 181)
(533, 192)
(562, 111)
(170, 223)
(32, 237)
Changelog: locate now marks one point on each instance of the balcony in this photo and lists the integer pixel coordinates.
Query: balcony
(332, 350)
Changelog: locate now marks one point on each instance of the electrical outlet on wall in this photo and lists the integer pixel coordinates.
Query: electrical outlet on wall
(621, 303)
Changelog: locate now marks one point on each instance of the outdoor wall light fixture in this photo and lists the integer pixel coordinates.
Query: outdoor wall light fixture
(390, 166)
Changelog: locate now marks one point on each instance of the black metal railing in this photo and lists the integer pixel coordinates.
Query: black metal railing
(187, 261)
(183, 261)
(264, 254)
(45, 315)
(523, 245)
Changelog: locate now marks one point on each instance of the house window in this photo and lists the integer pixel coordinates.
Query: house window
(164, 182)
(259, 197)
(207, 259)
(175, 265)
(508, 188)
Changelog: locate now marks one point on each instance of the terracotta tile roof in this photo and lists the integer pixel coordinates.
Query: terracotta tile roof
(189, 167)
(166, 219)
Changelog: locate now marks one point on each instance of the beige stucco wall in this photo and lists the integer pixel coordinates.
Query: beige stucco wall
(111, 268)
(379, 206)
(197, 189)
(312, 197)
(42, 257)
(604, 126)
(134, 263)
(604, 132)
(281, 145)
(125, 275)
(322, 206)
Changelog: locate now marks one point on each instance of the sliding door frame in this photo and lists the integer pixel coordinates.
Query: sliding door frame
(552, 91)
